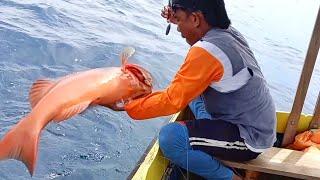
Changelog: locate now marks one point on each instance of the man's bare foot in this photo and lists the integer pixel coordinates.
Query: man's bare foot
(252, 175)
(236, 177)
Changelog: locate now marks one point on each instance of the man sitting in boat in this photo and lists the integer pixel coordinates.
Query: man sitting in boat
(221, 81)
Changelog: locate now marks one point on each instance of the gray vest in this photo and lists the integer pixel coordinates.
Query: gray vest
(251, 106)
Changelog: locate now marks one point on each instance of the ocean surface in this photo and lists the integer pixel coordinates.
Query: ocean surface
(48, 39)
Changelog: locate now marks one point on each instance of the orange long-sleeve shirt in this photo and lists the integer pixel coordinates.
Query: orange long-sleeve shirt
(198, 71)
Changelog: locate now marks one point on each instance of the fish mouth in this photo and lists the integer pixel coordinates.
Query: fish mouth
(140, 73)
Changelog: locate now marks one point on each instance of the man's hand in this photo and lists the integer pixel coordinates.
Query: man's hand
(118, 106)
(168, 13)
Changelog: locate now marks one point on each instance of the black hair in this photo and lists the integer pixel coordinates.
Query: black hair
(214, 11)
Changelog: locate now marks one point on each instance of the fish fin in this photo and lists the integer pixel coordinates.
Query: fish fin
(38, 90)
(71, 111)
(22, 144)
(126, 54)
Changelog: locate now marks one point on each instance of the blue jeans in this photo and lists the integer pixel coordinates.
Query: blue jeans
(198, 109)
(174, 143)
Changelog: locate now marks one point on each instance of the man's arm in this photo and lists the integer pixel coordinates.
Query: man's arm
(199, 70)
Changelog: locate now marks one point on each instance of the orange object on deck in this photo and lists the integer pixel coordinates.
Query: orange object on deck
(305, 140)
(316, 137)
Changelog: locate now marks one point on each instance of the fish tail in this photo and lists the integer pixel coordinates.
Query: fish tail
(21, 143)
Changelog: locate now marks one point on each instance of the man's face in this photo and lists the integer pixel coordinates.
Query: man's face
(186, 26)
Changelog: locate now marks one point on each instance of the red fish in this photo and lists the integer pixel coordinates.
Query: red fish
(68, 96)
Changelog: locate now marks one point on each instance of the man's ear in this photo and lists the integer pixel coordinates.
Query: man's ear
(197, 18)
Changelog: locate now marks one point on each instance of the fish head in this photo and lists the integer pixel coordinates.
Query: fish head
(141, 80)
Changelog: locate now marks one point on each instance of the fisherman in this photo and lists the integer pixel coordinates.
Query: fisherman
(223, 84)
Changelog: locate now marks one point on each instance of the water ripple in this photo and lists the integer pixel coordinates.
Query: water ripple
(49, 39)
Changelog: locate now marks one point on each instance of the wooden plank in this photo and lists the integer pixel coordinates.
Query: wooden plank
(284, 162)
(315, 122)
(303, 84)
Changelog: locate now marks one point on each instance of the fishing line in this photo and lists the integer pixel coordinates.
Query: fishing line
(187, 141)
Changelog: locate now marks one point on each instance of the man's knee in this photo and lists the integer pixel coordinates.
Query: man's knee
(167, 136)
(173, 139)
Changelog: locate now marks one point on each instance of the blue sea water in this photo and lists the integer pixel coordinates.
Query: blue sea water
(48, 39)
